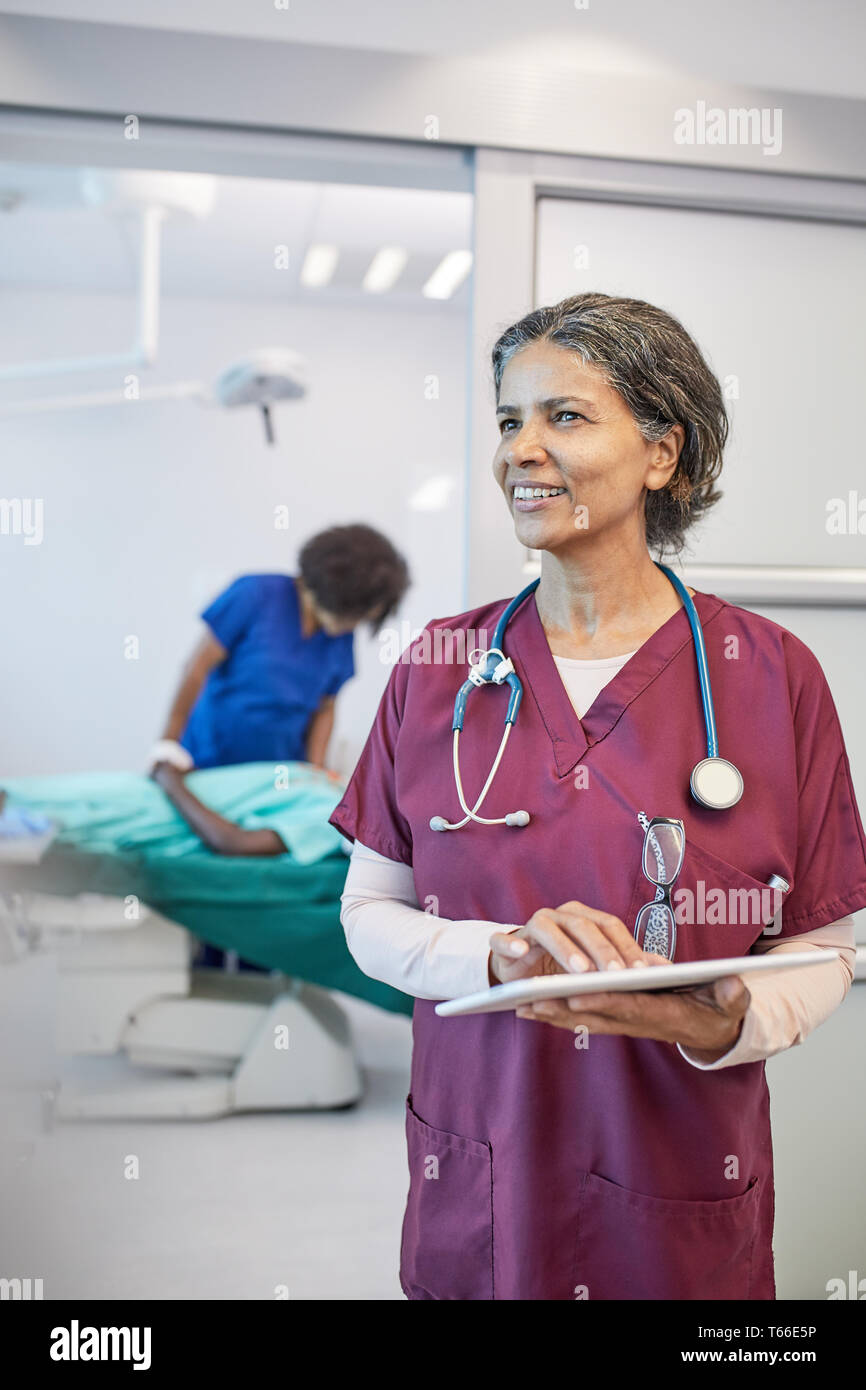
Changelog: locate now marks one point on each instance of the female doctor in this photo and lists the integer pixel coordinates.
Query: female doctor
(615, 1146)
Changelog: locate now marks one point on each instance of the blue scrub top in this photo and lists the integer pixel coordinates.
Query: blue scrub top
(256, 706)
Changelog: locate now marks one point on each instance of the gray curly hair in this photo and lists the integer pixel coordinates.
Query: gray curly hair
(648, 357)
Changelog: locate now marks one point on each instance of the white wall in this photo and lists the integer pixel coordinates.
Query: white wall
(776, 305)
(149, 508)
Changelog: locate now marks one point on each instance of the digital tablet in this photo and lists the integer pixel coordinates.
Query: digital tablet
(690, 972)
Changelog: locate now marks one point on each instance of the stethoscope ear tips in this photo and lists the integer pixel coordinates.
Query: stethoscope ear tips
(513, 818)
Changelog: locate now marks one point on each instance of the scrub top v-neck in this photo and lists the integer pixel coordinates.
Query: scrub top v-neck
(584, 678)
(257, 705)
(546, 1166)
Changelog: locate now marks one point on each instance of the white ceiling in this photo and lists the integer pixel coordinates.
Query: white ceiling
(797, 45)
(50, 239)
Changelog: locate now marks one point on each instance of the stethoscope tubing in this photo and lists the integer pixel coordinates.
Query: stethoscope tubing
(701, 659)
(494, 667)
(697, 638)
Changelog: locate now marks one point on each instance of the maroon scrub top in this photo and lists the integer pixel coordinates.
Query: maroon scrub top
(545, 1169)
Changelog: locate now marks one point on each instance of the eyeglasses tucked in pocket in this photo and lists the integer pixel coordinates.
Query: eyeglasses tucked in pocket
(664, 848)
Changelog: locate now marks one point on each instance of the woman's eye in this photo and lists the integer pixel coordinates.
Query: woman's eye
(505, 426)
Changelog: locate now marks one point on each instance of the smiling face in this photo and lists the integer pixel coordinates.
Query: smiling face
(565, 431)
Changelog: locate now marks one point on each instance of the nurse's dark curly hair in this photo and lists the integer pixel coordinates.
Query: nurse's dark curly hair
(649, 358)
(353, 572)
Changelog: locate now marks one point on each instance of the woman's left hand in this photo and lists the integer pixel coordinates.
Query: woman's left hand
(708, 1018)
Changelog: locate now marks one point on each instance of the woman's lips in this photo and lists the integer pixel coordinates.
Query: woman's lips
(534, 504)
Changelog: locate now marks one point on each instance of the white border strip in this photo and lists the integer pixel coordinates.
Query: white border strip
(787, 585)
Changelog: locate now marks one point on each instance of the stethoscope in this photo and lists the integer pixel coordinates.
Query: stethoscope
(715, 782)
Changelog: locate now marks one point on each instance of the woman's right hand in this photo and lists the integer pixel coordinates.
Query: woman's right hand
(567, 940)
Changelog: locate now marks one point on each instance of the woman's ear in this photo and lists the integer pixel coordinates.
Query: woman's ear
(666, 456)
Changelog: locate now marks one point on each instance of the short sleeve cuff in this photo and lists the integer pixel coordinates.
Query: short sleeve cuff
(824, 916)
(369, 835)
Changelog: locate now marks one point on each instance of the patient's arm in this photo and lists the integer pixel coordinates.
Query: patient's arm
(221, 835)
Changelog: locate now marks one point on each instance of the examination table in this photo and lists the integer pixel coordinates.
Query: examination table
(212, 1041)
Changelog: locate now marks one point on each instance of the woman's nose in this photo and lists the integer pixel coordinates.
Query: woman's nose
(526, 445)
(525, 451)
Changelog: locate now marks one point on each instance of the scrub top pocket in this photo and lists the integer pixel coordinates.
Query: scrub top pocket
(447, 1245)
(718, 907)
(630, 1246)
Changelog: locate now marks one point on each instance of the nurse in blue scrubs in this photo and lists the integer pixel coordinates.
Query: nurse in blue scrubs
(261, 684)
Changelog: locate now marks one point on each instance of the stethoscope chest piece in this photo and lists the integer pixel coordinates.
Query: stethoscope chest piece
(716, 784)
